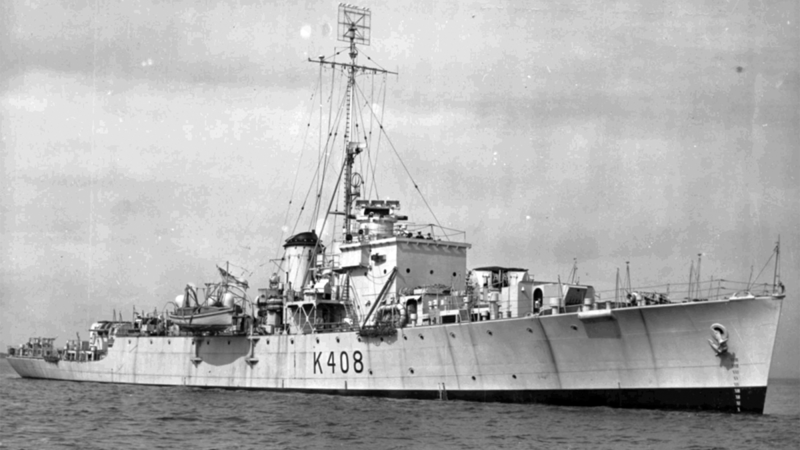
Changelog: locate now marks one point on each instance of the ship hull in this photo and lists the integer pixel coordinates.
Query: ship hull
(648, 357)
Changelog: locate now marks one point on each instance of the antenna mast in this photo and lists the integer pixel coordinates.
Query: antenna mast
(354, 26)
(776, 277)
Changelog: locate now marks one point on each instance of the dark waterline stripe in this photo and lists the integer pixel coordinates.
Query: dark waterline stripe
(750, 399)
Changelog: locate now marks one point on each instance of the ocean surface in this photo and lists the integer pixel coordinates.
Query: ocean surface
(41, 414)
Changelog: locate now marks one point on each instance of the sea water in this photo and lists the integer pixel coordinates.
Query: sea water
(43, 414)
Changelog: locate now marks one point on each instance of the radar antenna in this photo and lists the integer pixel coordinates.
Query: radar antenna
(354, 25)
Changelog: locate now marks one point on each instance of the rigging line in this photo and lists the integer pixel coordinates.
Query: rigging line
(370, 59)
(416, 186)
(457, 233)
(334, 55)
(378, 147)
(326, 154)
(297, 171)
(300, 158)
(344, 98)
(762, 269)
(361, 116)
(321, 167)
(335, 218)
(330, 98)
(325, 220)
(371, 120)
(357, 114)
(356, 133)
(333, 232)
(305, 199)
(320, 150)
(319, 134)
(326, 164)
(329, 144)
(328, 149)
(369, 156)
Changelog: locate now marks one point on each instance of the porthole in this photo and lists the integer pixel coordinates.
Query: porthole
(574, 327)
(229, 342)
(514, 377)
(421, 337)
(431, 272)
(317, 340)
(359, 339)
(452, 335)
(370, 371)
(411, 370)
(291, 341)
(208, 342)
(530, 330)
(267, 341)
(384, 271)
(337, 340)
(489, 332)
(151, 342)
(169, 342)
(405, 338)
(408, 270)
(381, 339)
(473, 378)
(455, 274)
(129, 341)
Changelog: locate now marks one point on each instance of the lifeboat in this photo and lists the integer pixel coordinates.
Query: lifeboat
(203, 318)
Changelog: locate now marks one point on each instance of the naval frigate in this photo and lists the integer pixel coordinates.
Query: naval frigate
(388, 308)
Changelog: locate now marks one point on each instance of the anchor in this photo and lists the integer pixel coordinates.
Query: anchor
(719, 339)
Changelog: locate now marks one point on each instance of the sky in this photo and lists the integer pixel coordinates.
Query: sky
(145, 142)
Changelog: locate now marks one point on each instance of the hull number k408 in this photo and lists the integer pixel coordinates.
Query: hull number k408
(343, 360)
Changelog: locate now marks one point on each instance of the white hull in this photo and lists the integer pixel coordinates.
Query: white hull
(656, 356)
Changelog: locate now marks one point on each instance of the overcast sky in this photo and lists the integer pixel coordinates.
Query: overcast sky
(145, 142)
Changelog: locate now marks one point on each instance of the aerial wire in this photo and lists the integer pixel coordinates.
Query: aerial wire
(366, 139)
(371, 124)
(319, 134)
(320, 167)
(299, 162)
(416, 186)
(328, 146)
(378, 147)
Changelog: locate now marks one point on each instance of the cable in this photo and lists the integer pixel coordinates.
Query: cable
(380, 136)
(416, 186)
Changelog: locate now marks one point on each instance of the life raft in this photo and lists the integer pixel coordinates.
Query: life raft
(394, 314)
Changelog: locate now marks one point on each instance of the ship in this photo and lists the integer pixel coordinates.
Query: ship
(385, 310)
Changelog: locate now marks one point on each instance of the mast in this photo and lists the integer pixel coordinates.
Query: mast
(698, 290)
(628, 271)
(351, 148)
(777, 274)
(573, 274)
(354, 25)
